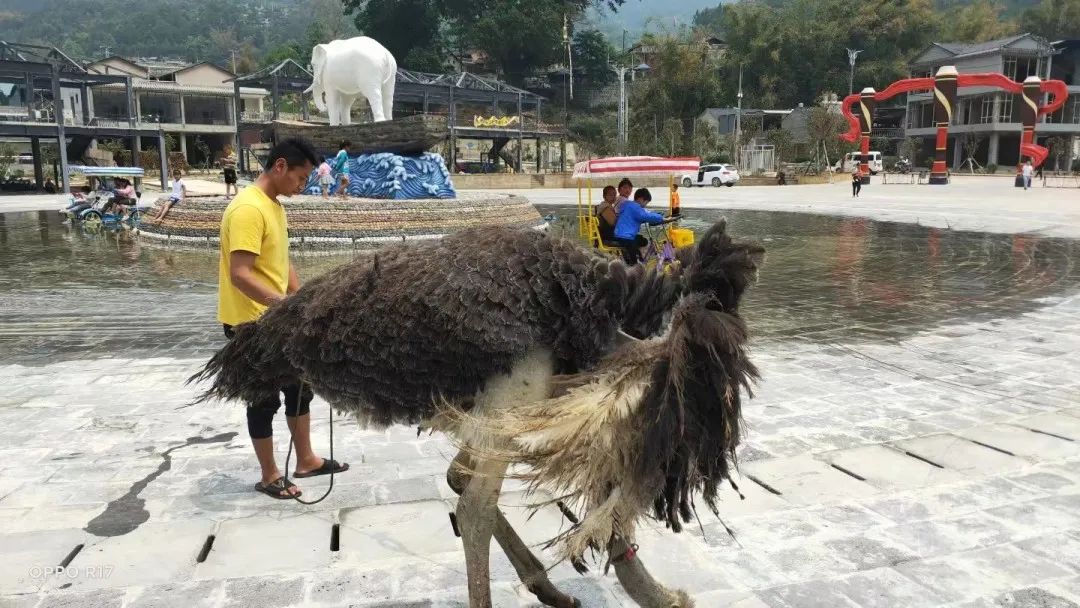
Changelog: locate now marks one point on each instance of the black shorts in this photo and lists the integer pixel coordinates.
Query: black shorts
(230, 175)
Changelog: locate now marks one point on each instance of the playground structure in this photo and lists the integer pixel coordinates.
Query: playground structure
(945, 85)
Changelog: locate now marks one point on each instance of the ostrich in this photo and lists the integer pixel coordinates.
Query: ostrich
(529, 349)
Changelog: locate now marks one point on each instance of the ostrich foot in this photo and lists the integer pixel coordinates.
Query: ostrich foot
(530, 570)
(639, 584)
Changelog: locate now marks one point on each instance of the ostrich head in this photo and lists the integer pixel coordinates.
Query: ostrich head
(720, 267)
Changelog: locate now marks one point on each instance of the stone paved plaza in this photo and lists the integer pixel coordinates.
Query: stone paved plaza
(914, 441)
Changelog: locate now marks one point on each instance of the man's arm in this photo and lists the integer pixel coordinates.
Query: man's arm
(650, 218)
(242, 274)
(294, 280)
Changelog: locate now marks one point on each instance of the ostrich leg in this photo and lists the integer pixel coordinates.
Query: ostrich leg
(476, 512)
(529, 569)
(639, 584)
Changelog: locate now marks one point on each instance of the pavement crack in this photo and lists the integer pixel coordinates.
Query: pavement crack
(128, 512)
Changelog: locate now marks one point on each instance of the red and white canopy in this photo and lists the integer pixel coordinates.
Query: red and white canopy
(619, 166)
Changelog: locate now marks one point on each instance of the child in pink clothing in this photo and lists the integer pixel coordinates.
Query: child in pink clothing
(325, 179)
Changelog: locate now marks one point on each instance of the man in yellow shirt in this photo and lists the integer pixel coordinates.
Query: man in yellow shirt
(254, 272)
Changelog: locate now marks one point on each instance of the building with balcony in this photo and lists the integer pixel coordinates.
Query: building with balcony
(994, 115)
(46, 95)
(191, 102)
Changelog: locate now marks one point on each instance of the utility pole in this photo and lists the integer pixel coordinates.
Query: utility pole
(851, 55)
(233, 53)
(620, 138)
(738, 119)
(569, 54)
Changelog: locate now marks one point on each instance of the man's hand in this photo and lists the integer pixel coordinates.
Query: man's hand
(242, 274)
(294, 280)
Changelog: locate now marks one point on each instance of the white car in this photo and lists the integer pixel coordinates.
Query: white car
(712, 175)
(851, 161)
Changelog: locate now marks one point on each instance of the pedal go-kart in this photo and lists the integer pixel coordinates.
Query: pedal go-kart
(663, 241)
(103, 205)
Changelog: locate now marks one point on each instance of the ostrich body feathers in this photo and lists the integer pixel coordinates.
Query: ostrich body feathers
(436, 331)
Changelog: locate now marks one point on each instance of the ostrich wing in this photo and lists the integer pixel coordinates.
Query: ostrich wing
(392, 333)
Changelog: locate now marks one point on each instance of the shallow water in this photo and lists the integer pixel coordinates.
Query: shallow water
(70, 294)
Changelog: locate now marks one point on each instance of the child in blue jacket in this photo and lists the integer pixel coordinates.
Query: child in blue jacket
(627, 228)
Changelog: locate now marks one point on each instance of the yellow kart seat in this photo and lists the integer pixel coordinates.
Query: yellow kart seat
(591, 226)
(680, 237)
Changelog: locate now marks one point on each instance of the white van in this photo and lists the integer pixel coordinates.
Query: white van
(851, 161)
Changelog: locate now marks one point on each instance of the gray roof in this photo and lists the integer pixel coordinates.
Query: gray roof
(164, 86)
(957, 50)
(967, 48)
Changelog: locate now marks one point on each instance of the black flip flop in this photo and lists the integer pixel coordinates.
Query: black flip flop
(328, 466)
(279, 488)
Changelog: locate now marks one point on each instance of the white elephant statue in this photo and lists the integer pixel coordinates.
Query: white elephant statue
(346, 69)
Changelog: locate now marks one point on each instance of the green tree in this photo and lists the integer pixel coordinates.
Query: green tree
(1054, 19)
(518, 36)
(680, 84)
(792, 52)
(593, 55)
(285, 51)
(7, 158)
(204, 151)
(410, 29)
(909, 148)
(970, 142)
(824, 126)
(707, 143)
(594, 136)
(783, 143)
(979, 22)
(710, 19)
(1059, 148)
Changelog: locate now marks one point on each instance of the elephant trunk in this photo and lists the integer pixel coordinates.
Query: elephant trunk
(316, 91)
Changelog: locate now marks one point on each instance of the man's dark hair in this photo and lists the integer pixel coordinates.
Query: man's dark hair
(626, 182)
(85, 189)
(295, 151)
(345, 144)
(608, 189)
(643, 194)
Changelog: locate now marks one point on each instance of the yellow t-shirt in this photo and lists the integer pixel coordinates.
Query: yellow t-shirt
(252, 222)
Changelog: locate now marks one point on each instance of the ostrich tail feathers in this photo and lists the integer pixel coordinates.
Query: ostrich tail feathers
(248, 368)
(655, 423)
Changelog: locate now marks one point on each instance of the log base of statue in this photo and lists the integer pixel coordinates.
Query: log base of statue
(316, 223)
(407, 135)
(1019, 181)
(939, 180)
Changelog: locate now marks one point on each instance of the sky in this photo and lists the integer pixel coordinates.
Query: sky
(635, 15)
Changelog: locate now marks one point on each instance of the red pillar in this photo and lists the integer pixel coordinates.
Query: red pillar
(1029, 113)
(944, 98)
(866, 124)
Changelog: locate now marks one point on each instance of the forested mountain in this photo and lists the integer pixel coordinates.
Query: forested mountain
(792, 49)
(203, 30)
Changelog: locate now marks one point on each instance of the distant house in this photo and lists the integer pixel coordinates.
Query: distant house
(186, 100)
(643, 52)
(991, 112)
(473, 61)
(725, 120)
